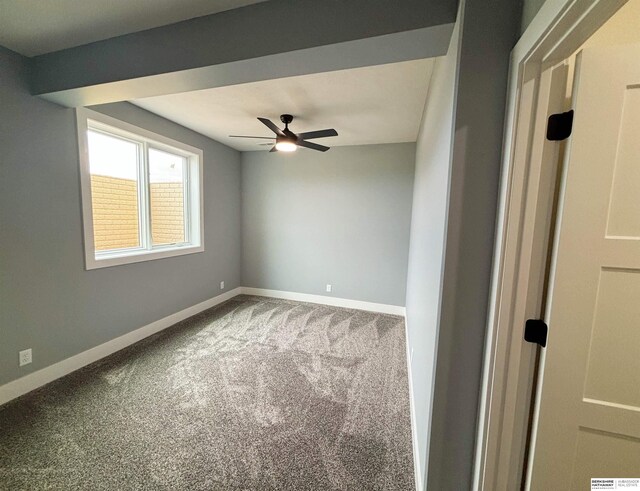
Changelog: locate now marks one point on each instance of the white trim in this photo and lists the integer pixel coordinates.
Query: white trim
(139, 256)
(30, 382)
(559, 28)
(324, 300)
(412, 410)
(194, 193)
(161, 142)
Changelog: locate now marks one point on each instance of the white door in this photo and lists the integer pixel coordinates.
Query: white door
(587, 420)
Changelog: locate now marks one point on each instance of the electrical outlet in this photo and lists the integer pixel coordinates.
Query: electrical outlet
(25, 357)
(328, 288)
(222, 285)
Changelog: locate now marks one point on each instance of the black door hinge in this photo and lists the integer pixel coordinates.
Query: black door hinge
(535, 331)
(559, 126)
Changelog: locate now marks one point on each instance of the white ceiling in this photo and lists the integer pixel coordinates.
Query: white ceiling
(377, 104)
(34, 27)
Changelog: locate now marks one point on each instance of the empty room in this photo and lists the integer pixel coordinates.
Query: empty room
(318, 245)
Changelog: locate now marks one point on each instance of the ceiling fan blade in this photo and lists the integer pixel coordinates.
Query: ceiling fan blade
(312, 146)
(310, 135)
(269, 124)
(274, 149)
(266, 144)
(245, 136)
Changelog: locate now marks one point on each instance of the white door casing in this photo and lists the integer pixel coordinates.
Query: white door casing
(587, 420)
(537, 218)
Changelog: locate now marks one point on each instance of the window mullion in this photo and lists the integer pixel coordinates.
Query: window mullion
(146, 197)
(141, 191)
(186, 199)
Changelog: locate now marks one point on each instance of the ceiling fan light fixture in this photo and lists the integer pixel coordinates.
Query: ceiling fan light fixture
(286, 145)
(288, 141)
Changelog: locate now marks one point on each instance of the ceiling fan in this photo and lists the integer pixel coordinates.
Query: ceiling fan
(288, 141)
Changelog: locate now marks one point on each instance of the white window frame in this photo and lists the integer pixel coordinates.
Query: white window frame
(193, 196)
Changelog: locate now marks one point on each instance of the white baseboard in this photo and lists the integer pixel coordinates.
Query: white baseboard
(412, 410)
(324, 300)
(30, 382)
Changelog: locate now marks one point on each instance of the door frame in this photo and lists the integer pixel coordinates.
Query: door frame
(523, 221)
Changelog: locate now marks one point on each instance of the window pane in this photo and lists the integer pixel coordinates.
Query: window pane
(113, 164)
(166, 182)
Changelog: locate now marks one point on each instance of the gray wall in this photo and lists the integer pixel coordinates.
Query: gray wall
(489, 32)
(48, 301)
(529, 10)
(341, 217)
(428, 225)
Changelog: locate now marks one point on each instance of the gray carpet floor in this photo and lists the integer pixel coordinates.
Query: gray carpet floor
(256, 393)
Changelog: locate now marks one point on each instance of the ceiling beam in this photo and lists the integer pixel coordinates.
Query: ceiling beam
(274, 39)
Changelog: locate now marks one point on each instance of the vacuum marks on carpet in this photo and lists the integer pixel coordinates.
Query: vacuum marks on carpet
(256, 393)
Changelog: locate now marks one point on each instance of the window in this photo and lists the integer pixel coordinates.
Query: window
(141, 193)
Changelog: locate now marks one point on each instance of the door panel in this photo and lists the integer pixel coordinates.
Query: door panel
(613, 368)
(624, 209)
(602, 454)
(587, 421)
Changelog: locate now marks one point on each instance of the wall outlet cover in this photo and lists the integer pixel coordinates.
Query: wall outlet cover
(222, 285)
(25, 357)
(328, 288)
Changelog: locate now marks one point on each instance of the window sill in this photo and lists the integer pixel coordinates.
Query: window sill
(139, 256)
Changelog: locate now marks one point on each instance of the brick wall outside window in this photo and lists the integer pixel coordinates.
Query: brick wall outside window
(115, 212)
(167, 212)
